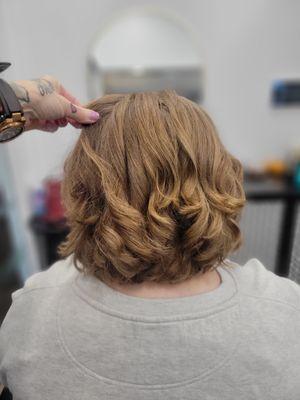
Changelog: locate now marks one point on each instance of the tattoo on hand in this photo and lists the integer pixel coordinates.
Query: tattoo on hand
(21, 93)
(73, 109)
(44, 86)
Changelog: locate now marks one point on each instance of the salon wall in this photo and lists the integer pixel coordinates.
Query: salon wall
(244, 45)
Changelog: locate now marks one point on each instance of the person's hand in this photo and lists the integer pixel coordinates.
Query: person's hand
(47, 105)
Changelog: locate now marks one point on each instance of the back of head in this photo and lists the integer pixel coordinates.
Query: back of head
(150, 192)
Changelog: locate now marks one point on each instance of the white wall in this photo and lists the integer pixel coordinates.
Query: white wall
(244, 45)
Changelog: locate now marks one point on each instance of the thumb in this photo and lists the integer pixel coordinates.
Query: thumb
(80, 114)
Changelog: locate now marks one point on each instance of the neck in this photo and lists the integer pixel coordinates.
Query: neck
(200, 283)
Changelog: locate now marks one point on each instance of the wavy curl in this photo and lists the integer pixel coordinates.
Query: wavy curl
(150, 192)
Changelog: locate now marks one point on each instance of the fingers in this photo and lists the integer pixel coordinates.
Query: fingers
(60, 89)
(53, 81)
(53, 125)
(46, 125)
(74, 123)
(55, 107)
(63, 105)
(69, 96)
(62, 122)
(80, 114)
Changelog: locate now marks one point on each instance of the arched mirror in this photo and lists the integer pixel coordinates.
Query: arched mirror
(145, 50)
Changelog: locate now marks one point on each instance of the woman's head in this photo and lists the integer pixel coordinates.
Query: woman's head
(150, 192)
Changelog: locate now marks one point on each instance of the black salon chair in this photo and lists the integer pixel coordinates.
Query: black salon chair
(6, 395)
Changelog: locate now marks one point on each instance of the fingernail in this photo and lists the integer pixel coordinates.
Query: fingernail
(94, 116)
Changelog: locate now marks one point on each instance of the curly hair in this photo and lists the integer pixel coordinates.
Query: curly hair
(150, 192)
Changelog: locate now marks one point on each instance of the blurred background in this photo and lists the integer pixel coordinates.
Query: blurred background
(239, 59)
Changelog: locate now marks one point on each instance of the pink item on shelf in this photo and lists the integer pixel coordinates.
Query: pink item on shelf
(54, 208)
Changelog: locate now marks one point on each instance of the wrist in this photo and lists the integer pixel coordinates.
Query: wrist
(21, 92)
(26, 95)
(12, 120)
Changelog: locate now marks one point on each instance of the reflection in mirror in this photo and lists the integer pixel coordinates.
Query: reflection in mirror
(145, 51)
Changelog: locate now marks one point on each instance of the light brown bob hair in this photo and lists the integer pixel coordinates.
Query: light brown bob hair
(150, 192)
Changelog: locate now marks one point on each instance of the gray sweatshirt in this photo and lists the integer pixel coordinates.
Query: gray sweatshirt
(70, 336)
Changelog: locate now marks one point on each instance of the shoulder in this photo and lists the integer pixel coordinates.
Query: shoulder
(38, 295)
(254, 280)
(33, 305)
(56, 275)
